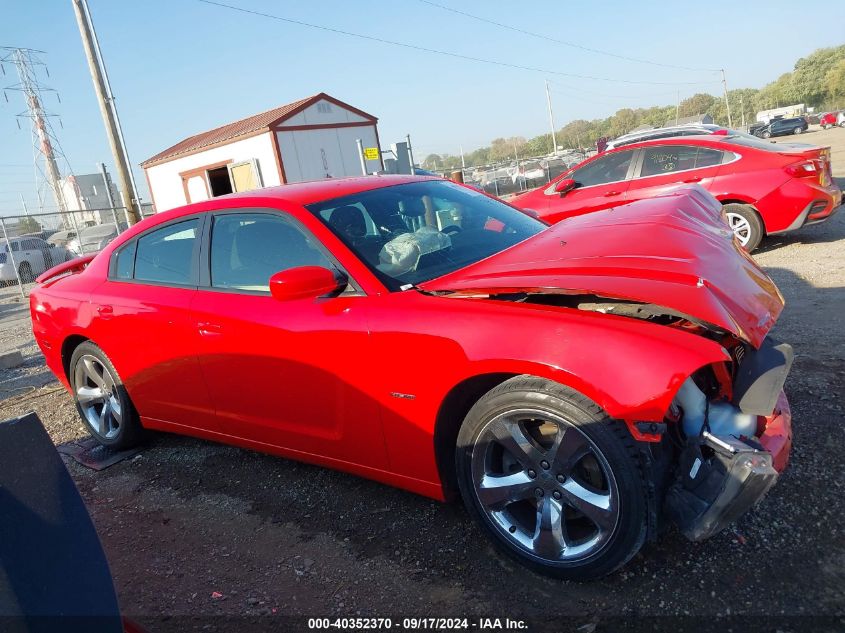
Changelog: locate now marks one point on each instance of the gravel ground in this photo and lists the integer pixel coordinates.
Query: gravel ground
(187, 518)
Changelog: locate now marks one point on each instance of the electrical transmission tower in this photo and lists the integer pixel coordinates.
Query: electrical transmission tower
(47, 150)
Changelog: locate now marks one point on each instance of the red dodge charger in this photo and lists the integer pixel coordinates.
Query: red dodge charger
(577, 385)
(766, 188)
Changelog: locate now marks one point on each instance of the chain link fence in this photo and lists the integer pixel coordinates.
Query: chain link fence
(31, 244)
(509, 178)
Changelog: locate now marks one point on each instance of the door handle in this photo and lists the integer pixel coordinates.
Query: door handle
(612, 193)
(105, 312)
(206, 328)
(692, 179)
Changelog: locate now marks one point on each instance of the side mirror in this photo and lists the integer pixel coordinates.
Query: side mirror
(304, 282)
(565, 185)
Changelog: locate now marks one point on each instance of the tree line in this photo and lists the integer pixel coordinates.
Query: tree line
(817, 80)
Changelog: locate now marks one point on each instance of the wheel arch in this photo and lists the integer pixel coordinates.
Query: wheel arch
(450, 416)
(69, 346)
(747, 203)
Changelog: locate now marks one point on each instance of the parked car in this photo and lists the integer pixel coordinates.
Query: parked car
(765, 188)
(94, 238)
(62, 238)
(755, 128)
(29, 256)
(428, 336)
(666, 132)
(832, 119)
(780, 127)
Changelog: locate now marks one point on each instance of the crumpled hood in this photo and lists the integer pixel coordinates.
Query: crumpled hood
(674, 251)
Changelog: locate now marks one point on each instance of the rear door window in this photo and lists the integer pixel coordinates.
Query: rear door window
(167, 255)
(668, 159)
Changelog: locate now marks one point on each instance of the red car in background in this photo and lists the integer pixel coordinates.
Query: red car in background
(765, 188)
(832, 119)
(561, 379)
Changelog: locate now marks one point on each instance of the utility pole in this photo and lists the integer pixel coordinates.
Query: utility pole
(463, 162)
(44, 138)
(25, 209)
(551, 118)
(727, 103)
(113, 105)
(96, 66)
(361, 158)
(742, 110)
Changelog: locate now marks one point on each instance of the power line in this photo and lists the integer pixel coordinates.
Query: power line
(564, 42)
(442, 52)
(603, 94)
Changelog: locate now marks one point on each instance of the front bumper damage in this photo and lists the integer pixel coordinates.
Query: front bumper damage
(721, 476)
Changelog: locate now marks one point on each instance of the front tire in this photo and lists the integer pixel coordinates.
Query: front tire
(766, 135)
(551, 480)
(745, 224)
(102, 400)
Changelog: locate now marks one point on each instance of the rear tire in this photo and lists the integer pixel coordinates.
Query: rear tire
(798, 130)
(102, 400)
(745, 224)
(553, 481)
(25, 273)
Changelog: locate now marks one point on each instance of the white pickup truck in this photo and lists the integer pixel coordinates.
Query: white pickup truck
(31, 256)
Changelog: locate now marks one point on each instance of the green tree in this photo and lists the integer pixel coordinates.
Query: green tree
(835, 81)
(808, 82)
(29, 225)
(432, 161)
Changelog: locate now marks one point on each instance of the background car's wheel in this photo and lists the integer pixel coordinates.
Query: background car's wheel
(25, 273)
(746, 225)
(552, 480)
(766, 135)
(798, 130)
(101, 398)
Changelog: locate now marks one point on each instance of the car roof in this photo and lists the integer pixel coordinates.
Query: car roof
(692, 139)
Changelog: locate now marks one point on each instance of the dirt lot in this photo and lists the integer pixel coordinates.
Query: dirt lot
(187, 518)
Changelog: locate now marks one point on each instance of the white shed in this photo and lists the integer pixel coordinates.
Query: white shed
(310, 139)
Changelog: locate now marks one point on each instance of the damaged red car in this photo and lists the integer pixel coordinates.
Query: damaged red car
(577, 385)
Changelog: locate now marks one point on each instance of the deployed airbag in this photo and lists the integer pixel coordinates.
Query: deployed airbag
(402, 254)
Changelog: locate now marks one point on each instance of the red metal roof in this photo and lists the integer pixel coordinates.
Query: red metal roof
(244, 127)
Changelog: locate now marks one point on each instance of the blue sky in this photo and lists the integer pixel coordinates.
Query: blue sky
(179, 67)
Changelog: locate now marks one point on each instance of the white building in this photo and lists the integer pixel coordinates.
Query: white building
(310, 139)
(787, 112)
(86, 194)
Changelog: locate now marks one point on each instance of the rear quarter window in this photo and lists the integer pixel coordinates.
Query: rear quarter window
(123, 266)
(166, 255)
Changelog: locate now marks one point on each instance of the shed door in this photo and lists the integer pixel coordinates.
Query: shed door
(244, 176)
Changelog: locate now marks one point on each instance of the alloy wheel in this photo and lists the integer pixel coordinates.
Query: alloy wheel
(740, 226)
(97, 395)
(544, 485)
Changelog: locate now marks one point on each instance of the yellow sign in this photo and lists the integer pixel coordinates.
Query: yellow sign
(371, 153)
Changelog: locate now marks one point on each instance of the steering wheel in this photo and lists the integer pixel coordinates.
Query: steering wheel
(452, 228)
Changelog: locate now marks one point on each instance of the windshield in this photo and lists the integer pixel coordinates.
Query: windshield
(411, 233)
